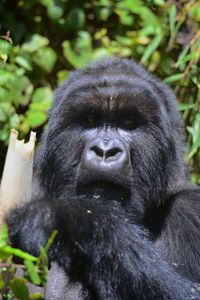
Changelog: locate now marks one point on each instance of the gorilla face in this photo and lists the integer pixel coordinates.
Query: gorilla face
(113, 131)
(109, 129)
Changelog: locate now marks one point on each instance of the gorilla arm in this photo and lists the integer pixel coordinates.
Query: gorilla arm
(99, 248)
(179, 240)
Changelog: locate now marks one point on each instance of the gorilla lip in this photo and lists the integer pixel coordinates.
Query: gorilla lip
(104, 189)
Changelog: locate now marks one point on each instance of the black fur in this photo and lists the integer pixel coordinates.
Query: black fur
(134, 232)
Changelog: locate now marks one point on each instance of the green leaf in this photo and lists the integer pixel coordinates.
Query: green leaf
(19, 288)
(185, 106)
(18, 87)
(126, 19)
(5, 47)
(195, 133)
(76, 18)
(41, 106)
(151, 48)
(55, 12)
(159, 2)
(172, 18)
(36, 118)
(104, 13)
(37, 42)
(173, 78)
(182, 55)
(6, 78)
(43, 260)
(50, 240)
(42, 264)
(185, 56)
(42, 94)
(62, 76)
(81, 53)
(4, 136)
(45, 58)
(4, 255)
(106, 3)
(195, 178)
(32, 272)
(37, 296)
(3, 115)
(7, 109)
(145, 13)
(14, 121)
(194, 148)
(2, 283)
(47, 2)
(5, 95)
(194, 12)
(3, 57)
(125, 41)
(17, 252)
(3, 235)
(23, 62)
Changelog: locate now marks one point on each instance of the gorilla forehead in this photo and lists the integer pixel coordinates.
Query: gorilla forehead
(115, 84)
(115, 78)
(113, 100)
(109, 92)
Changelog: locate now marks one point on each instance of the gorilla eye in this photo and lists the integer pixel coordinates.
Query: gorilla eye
(129, 124)
(90, 121)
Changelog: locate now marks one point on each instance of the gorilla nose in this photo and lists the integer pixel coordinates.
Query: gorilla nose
(107, 154)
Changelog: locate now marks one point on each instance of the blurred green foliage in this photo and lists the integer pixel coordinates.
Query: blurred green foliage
(42, 40)
(35, 269)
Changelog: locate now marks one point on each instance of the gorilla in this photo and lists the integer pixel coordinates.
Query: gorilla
(111, 178)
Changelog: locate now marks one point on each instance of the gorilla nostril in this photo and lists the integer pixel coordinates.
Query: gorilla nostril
(98, 151)
(112, 152)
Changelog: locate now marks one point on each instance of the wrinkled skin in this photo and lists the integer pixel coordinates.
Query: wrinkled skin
(111, 179)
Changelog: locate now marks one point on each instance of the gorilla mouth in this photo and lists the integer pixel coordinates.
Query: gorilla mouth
(104, 189)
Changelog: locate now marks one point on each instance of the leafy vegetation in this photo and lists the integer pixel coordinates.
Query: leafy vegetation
(34, 269)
